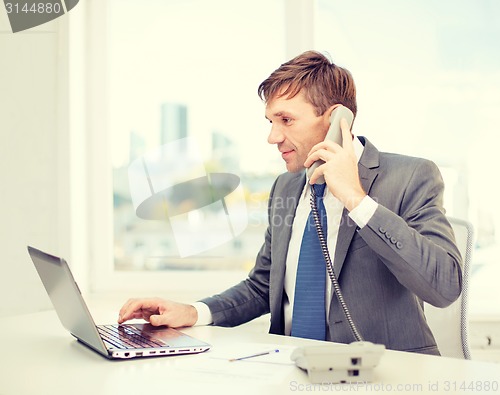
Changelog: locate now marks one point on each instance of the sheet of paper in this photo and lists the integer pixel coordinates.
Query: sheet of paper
(219, 362)
(275, 354)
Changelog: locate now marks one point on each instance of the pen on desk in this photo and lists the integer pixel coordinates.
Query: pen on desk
(254, 355)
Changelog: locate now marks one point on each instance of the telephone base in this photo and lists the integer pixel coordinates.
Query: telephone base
(339, 363)
(340, 376)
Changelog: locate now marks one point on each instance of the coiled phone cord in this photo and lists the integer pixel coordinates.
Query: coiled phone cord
(329, 267)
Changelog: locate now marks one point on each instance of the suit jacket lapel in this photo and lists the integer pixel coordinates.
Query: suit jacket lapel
(281, 223)
(368, 171)
(291, 195)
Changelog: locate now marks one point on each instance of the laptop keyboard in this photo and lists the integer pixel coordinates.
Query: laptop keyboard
(126, 337)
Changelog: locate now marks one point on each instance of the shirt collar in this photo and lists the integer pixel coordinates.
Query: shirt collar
(358, 147)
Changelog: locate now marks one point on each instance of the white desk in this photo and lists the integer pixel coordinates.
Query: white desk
(41, 358)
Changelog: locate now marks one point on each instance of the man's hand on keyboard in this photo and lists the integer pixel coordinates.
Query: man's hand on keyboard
(159, 312)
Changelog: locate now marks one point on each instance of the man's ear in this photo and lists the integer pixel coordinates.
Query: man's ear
(328, 112)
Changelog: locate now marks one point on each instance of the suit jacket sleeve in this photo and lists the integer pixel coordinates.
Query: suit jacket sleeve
(248, 299)
(413, 238)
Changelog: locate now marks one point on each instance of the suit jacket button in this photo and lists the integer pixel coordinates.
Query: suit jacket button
(388, 235)
(399, 245)
(393, 240)
(381, 230)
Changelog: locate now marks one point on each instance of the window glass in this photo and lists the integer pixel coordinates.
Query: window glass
(191, 166)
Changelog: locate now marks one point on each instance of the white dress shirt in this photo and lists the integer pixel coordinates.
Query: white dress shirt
(361, 215)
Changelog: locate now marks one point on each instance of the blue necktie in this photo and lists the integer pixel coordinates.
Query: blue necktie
(309, 313)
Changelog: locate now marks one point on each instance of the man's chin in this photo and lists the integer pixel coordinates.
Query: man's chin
(294, 168)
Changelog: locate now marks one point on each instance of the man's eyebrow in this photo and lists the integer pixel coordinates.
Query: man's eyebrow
(279, 114)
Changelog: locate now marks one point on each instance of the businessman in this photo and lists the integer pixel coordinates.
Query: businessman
(391, 245)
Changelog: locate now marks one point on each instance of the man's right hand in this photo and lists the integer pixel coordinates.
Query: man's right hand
(159, 312)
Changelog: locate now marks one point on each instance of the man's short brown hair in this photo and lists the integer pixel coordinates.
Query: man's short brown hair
(322, 82)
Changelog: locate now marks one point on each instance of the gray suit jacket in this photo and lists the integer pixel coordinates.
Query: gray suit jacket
(405, 255)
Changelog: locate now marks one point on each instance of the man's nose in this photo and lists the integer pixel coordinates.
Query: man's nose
(276, 135)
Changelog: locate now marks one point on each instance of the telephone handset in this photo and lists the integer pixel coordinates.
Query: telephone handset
(334, 134)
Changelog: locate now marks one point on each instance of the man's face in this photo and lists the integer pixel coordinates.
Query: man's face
(295, 128)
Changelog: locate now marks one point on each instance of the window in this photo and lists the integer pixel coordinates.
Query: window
(180, 84)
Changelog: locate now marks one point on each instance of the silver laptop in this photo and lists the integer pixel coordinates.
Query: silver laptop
(111, 341)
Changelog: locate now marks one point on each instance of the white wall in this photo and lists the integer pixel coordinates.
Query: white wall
(33, 158)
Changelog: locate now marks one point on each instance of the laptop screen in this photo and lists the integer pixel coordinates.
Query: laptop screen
(66, 298)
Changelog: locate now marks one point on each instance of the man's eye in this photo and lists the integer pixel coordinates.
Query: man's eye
(286, 120)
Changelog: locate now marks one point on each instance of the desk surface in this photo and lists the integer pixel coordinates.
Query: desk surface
(40, 357)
